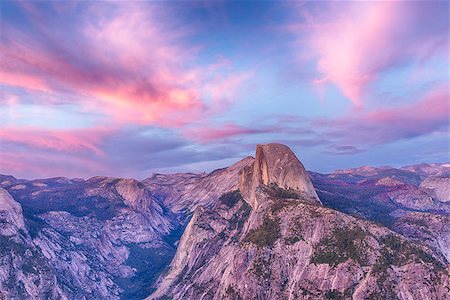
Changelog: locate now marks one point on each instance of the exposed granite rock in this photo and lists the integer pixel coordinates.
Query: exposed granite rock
(393, 201)
(103, 238)
(439, 187)
(107, 238)
(184, 192)
(293, 249)
(379, 193)
(285, 246)
(25, 273)
(417, 198)
(275, 164)
(388, 181)
(426, 228)
(10, 214)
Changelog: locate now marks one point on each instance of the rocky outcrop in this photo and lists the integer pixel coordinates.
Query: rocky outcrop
(426, 228)
(182, 193)
(25, 273)
(275, 164)
(414, 197)
(413, 210)
(274, 242)
(136, 196)
(388, 181)
(294, 249)
(108, 238)
(103, 238)
(10, 214)
(439, 187)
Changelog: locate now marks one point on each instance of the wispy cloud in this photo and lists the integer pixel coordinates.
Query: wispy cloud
(132, 67)
(355, 43)
(135, 151)
(430, 114)
(124, 88)
(68, 141)
(209, 134)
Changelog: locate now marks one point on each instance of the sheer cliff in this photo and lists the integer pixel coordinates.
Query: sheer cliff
(103, 238)
(255, 229)
(273, 239)
(24, 271)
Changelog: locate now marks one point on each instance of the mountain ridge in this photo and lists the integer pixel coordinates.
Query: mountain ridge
(271, 243)
(108, 237)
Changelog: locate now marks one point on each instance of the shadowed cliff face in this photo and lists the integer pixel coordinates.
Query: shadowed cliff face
(10, 214)
(275, 164)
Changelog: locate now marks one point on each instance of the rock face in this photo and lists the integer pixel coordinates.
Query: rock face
(410, 200)
(107, 238)
(426, 228)
(10, 214)
(275, 164)
(24, 270)
(104, 238)
(184, 192)
(439, 187)
(255, 229)
(297, 251)
(271, 241)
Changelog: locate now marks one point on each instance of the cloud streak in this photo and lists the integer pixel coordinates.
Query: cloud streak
(136, 151)
(353, 50)
(126, 88)
(130, 65)
(69, 141)
(226, 131)
(430, 114)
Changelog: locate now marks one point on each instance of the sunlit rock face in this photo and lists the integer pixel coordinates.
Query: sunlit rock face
(275, 164)
(296, 251)
(103, 238)
(274, 240)
(254, 229)
(409, 200)
(426, 228)
(183, 192)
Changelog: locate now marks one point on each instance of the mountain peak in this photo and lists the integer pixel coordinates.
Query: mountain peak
(275, 164)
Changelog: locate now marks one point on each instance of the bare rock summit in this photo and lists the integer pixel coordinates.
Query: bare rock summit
(275, 164)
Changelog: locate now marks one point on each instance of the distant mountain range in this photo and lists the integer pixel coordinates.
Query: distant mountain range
(263, 228)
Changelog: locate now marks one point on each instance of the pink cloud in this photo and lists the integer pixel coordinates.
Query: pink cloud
(207, 134)
(67, 141)
(34, 152)
(41, 165)
(22, 80)
(431, 114)
(355, 43)
(130, 66)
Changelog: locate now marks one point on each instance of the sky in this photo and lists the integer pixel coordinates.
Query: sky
(128, 89)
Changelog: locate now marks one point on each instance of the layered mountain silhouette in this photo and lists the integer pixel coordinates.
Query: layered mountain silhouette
(263, 228)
